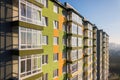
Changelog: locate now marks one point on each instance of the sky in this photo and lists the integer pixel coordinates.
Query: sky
(105, 14)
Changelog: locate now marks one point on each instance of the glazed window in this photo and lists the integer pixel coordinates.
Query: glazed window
(74, 28)
(74, 67)
(55, 24)
(74, 55)
(55, 73)
(56, 8)
(30, 13)
(80, 32)
(56, 40)
(30, 65)
(79, 42)
(55, 56)
(64, 69)
(23, 9)
(45, 21)
(45, 40)
(45, 76)
(44, 59)
(74, 41)
(30, 38)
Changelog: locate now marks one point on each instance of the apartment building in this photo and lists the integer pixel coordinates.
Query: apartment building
(48, 40)
(102, 56)
(95, 29)
(105, 57)
(74, 44)
(88, 50)
(99, 54)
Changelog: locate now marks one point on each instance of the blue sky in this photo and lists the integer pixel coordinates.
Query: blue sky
(104, 13)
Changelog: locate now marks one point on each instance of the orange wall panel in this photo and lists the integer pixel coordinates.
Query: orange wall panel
(55, 48)
(56, 33)
(61, 20)
(56, 78)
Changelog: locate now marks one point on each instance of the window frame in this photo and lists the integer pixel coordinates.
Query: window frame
(44, 59)
(35, 44)
(45, 40)
(44, 21)
(55, 8)
(55, 57)
(56, 24)
(34, 13)
(32, 72)
(55, 73)
(55, 40)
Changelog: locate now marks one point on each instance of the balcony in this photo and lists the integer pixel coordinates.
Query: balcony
(72, 55)
(94, 36)
(24, 43)
(72, 68)
(72, 41)
(88, 51)
(95, 31)
(95, 49)
(74, 18)
(30, 12)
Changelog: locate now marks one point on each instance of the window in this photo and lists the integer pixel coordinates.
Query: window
(74, 42)
(80, 32)
(80, 75)
(74, 28)
(89, 50)
(23, 9)
(30, 13)
(45, 76)
(44, 59)
(45, 40)
(64, 70)
(80, 53)
(64, 41)
(79, 42)
(74, 55)
(45, 3)
(74, 17)
(55, 56)
(56, 8)
(30, 64)
(90, 27)
(55, 40)
(55, 24)
(55, 73)
(64, 54)
(45, 21)
(74, 67)
(75, 78)
(79, 20)
(30, 38)
(80, 65)
(64, 27)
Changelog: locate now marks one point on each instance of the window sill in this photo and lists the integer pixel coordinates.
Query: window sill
(55, 60)
(44, 64)
(55, 77)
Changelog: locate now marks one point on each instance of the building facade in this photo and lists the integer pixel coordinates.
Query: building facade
(48, 40)
(88, 50)
(102, 55)
(74, 44)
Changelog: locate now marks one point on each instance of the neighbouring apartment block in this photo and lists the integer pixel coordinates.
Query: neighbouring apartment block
(48, 40)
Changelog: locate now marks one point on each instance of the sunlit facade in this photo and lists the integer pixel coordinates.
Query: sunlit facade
(48, 40)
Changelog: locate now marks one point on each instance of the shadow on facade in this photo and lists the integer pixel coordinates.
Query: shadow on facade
(6, 42)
